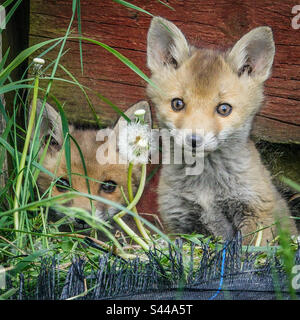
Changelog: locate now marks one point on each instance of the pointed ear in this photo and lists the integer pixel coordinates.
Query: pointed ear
(166, 45)
(254, 53)
(50, 124)
(144, 105)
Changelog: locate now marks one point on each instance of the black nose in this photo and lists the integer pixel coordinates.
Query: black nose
(79, 221)
(193, 140)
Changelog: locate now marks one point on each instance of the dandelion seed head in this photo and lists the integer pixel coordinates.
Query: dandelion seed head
(37, 65)
(140, 115)
(39, 61)
(134, 142)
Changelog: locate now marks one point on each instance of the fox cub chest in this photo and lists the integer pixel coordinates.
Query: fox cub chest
(213, 202)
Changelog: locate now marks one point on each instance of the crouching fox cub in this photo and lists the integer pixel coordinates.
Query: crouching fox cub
(105, 180)
(218, 93)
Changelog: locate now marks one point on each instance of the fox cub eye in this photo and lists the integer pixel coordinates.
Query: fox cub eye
(177, 104)
(224, 109)
(108, 186)
(52, 141)
(62, 185)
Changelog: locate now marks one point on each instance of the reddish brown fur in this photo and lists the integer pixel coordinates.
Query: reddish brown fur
(55, 162)
(96, 173)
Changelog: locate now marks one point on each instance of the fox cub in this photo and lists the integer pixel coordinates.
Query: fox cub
(218, 93)
(105, 180)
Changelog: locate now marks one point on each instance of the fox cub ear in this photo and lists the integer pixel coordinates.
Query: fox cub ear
(50, 124)
(141, 105)
(254, 53)
(166, 45)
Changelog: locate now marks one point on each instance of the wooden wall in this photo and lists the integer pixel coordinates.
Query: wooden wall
(208, 23)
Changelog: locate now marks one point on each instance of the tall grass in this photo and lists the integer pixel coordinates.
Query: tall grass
(25, 234)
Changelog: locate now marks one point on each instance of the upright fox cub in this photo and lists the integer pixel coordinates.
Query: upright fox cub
(218, 93)
(105, 180)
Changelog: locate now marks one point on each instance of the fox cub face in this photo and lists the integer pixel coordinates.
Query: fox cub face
(105, 180)
(216, 93)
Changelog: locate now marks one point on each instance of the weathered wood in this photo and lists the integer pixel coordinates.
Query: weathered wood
(206, 23)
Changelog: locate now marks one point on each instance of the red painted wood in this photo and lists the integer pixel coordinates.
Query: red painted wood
(216, 24)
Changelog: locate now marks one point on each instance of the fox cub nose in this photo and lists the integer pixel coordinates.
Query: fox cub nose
(193, 140)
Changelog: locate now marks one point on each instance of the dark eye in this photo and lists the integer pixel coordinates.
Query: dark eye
(62, 185)
(224, 109)
(177, 104)
(108, 186)
(52, 142)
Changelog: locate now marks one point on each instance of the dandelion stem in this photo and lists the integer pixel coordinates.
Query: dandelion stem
(24, 153)
(131, 233)
(118, 217)
(130, 196)
(138, 193)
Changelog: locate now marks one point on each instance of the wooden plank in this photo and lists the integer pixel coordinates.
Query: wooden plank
(264, 128)
(206, 23)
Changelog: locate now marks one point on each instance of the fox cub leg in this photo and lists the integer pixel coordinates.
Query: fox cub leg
(265, 225)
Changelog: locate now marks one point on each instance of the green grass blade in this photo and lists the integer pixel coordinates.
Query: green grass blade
(13, 87)
(167, 5)
(83, 162)
(8, 293)
(290, 183)
(96, 117)
(72, 194)
(80, 34)
(104, 99)
(2, 110)
(65, 128)
(23, 264)
(2, 63)
(7, 3)
(11, 12)
(132, 6)
(121, 57)
(11, 151)
(24, 55)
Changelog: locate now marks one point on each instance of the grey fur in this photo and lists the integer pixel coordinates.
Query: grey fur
(214, 202)
(234, 191)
